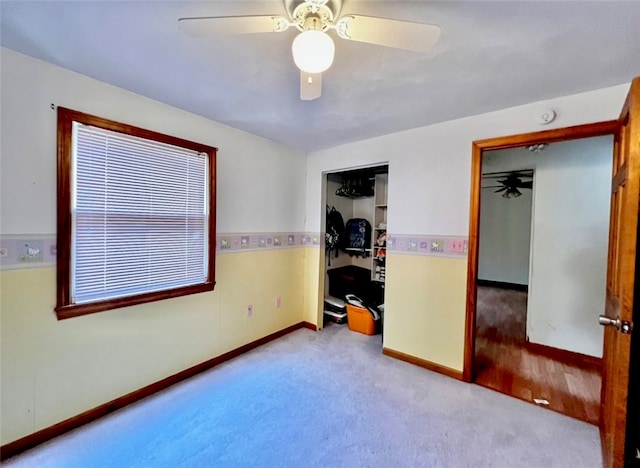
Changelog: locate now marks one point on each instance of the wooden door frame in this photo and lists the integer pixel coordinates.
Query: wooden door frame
(622, 276)
(478, 147)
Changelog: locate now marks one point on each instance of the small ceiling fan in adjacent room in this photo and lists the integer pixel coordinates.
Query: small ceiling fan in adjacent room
(313, 49)
(508, 183)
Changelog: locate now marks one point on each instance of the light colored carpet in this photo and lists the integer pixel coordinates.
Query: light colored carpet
(326, 399)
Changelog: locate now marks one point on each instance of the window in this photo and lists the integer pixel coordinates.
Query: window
(136, 215)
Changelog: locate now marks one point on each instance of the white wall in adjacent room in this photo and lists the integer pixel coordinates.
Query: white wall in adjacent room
(505, 234)
(570, 236)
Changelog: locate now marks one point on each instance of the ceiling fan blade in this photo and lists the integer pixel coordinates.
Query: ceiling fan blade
(406, 35)
(310, 85)
(526, 184)
(501, 190)
(231, 25)
(501, 175)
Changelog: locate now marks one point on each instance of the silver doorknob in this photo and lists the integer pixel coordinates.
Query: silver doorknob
(609, 322)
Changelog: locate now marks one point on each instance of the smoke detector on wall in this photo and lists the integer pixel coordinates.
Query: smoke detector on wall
(547, 117)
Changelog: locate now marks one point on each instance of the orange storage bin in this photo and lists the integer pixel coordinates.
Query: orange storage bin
(360, 320)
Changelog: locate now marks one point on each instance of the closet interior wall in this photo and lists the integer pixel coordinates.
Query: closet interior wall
(348, 208)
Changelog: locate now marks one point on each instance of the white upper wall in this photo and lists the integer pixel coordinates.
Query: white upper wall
(505, 234)
(430, 167)
(260, 182)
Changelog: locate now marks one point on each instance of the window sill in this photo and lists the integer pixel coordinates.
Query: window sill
(75, 310)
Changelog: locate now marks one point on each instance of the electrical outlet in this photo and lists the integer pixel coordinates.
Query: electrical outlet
(278, 302)
(249, 310)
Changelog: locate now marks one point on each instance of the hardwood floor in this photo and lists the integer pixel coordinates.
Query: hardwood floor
(503, 363)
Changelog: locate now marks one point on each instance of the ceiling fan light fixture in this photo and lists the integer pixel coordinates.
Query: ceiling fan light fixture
(511, 192)
(313, 51)
(537, 147)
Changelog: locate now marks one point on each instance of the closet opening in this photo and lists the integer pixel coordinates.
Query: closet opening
(355, 249)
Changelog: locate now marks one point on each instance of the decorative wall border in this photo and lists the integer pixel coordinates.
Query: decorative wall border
(412, 244)
(430, 245)
(252, 242)
(21, 251)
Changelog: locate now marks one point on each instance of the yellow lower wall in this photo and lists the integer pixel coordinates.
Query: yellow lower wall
(52, 370)
(425, 307)
(313, 274)
(424, 304)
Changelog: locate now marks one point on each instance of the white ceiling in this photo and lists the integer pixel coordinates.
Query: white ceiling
(491, 55)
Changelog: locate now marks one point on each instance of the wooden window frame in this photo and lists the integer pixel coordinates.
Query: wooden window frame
(65, 308)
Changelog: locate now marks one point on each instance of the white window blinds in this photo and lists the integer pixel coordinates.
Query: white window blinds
(139, 213)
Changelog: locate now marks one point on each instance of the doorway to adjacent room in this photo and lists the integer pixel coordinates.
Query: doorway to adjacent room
(544, 224)
(616, 429)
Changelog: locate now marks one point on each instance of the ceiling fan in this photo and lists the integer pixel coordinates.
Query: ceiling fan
(313, 49)
(509, 182)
